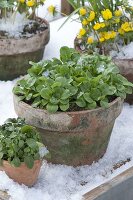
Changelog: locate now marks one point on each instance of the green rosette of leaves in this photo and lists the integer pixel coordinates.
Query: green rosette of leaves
(73, 82)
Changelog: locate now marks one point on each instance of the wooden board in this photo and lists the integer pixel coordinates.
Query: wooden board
(118, 188)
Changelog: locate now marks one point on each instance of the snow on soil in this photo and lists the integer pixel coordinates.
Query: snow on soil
(126, 52)
(60, 182)
(14, 24)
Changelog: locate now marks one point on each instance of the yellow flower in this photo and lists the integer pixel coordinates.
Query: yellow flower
(97, 26)
(90, 40)
(102, 25)
(117, 20)
(112, 34)
(107, 35)
(51, 9)
(118, 13)
(126, 27)
(106, 14)
(91, 16)
(82, 11)
(121, 31)
(30, 3)
(84, 22)
(82, 32)
(101, 39)
(21, 1)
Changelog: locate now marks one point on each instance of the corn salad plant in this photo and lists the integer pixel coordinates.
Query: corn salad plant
(72, 83)
(104, 23)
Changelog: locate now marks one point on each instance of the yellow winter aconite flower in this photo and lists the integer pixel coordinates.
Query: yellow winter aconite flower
(82, 11)
(121, 31)
(106, 14)
(91, 16)
(97, 26)
(82, 32)
(102, 25)
(51, 9)
(112, 34)
(117, 20)
(90, 40)
(101, 39)
(30, 3)
(126, 27)
(21, 1)
(84, 22)
(107, 35)
(118, 13)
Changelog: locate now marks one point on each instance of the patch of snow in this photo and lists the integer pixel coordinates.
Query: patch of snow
(14, 24)
(126, 52)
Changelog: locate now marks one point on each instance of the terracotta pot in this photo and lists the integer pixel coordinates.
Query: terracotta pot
(15, 54)
(125, 66)
(22, 174)
(126, 69)
(73, 138)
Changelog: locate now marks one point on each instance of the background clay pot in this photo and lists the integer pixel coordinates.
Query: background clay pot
(15, 54)
(126, 69)
(22, 174)
(73, 138)
(125, 66)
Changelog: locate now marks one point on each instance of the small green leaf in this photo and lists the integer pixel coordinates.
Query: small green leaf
(29, 161)
(52, 108)
(16, 162)
(64, 107)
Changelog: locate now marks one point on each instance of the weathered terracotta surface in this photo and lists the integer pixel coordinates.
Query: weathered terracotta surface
(15, 54)
(73, 138)
(126, 69)
(22, 174)
(125, 66)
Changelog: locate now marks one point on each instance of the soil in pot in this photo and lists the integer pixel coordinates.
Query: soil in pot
(125, 66)
(22, 174)
(73, 138)
(17, 50)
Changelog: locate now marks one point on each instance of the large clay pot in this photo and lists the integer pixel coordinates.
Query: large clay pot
(15, 54)
(22, 174)
(125, 66)
(73, 138)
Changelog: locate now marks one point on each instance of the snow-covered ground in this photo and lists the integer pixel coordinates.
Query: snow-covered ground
(59, 182)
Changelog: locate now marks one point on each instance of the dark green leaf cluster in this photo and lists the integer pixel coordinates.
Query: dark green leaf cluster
(19, 143)
(73, 82)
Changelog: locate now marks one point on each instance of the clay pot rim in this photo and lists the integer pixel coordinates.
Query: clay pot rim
(23, 38)
(114, 59)
(117, 99)
(22, 163)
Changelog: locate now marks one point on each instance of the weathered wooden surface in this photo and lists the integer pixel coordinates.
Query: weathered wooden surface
(66, 8)
(119, 188)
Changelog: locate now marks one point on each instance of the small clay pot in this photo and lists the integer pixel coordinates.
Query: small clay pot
(22, 174)
(15, 53)
(73, 138)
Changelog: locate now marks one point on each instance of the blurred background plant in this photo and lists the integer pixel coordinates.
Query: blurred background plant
(28, 7)
(105, 24)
